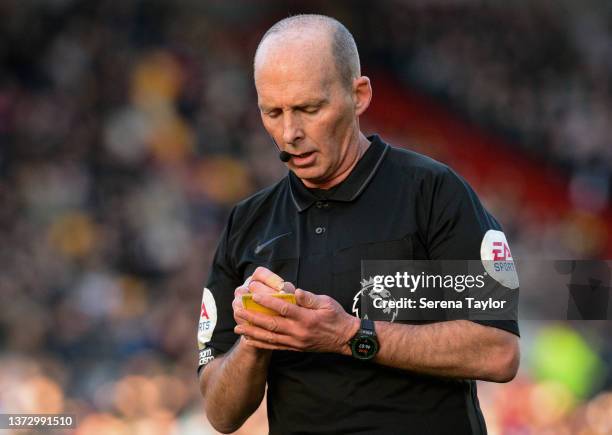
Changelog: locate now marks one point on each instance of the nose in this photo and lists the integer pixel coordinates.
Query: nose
(292, 129)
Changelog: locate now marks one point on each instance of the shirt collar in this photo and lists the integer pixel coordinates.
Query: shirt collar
(349, 189)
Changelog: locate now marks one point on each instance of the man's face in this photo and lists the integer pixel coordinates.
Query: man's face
(306, 109)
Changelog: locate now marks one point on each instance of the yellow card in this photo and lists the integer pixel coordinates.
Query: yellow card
(251, 305)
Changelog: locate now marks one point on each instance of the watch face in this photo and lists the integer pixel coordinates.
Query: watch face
(364, 347)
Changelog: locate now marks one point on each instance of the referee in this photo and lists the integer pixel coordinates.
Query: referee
(346, 198)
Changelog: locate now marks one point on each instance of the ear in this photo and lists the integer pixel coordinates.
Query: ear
(362, 94)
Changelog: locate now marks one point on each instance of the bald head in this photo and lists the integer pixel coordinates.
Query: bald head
(314, 33)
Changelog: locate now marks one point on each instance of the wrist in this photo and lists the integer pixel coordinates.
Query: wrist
(252, 352)
(351, 328)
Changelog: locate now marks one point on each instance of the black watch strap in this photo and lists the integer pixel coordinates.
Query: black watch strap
(367, 327)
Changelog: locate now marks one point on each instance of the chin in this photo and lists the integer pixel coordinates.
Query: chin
(311, 175)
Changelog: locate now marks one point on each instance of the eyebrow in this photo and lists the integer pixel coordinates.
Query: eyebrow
(309, 103)
(301, 105)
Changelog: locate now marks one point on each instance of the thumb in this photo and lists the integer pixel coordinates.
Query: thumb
(288, 287)
(306, 299)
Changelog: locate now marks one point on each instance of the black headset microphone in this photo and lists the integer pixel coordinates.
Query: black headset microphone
(284, 156)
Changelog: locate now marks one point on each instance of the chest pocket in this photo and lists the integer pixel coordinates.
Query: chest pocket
(277, 252)
(347, 265)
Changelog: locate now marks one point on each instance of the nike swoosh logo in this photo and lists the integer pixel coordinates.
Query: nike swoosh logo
(261, 246)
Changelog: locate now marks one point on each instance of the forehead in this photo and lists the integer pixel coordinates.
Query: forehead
(287, 71)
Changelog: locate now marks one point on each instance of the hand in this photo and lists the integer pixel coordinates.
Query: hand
(316, 324)
(262, 281)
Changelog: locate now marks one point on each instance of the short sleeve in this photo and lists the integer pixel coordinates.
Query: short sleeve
(216, 323)
(460, 228)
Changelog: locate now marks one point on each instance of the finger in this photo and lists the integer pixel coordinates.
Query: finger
(306, 299)
(263, 345)
(255, 333)
(264, 321)
(236, 307)
(259, 287)
(284, 308)
(268, 277)
(237, 304)
(288, 287)
(239, 291)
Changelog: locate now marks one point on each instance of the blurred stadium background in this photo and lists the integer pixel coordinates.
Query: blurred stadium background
(128, 129)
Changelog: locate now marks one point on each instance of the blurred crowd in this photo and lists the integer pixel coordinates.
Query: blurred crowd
(128, 129)
(536, 72)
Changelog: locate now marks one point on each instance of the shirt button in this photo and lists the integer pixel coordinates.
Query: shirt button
(320, 230)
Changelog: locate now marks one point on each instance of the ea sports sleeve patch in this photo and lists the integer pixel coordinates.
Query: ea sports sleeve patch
(206, 327)
(497, 259)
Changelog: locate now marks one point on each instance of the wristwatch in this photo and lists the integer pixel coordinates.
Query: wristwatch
(364, 345)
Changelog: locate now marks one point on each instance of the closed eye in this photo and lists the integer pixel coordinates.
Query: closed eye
(311, 109)
(272, 113)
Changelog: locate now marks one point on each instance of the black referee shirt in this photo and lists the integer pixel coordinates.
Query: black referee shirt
(395, 204)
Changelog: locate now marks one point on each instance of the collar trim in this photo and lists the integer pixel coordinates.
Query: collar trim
(352, 186)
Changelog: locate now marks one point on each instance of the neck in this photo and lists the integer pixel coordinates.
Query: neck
(354, 153)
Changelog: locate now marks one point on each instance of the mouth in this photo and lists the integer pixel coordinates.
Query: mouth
(303, 159)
